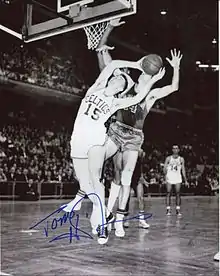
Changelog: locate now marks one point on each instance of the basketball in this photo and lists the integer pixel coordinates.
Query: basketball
(151, 64)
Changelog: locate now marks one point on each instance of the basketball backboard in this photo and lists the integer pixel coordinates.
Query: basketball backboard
(46, 18)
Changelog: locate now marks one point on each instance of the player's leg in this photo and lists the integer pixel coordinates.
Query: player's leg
(168, 198)
(178, 198)
(126, 222)
(140, 196)
(96, 157)
(115, 139)
(82, 175)
(78, 149)
(129, 160)
(116, 183)
(134, 183)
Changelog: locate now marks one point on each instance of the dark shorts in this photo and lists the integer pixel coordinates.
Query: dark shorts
(126, 137)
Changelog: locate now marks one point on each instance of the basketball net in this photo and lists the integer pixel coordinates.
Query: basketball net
(94, 34)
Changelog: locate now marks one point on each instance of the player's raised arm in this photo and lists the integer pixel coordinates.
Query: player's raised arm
(124, 103)
(175, 60)
(104, 57)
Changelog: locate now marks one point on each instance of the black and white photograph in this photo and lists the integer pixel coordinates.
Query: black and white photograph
(109, 137)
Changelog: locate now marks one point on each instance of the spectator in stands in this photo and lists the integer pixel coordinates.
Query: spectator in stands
(11, 175)
(30, 191)
(214, 185)
(68, 176)
(2, 154)
(3, 177)
(39, 178)
(32, 174)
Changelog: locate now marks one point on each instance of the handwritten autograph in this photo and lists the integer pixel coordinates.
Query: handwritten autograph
(74, 230)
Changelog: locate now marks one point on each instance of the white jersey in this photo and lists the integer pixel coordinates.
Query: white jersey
(89, 127)
(174, 166)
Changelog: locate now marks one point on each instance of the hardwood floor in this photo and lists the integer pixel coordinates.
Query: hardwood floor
(171, 247)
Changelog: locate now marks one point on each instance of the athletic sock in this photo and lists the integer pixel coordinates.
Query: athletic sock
(141, 215)
(80, 194)
(75, 203)
(114, 192)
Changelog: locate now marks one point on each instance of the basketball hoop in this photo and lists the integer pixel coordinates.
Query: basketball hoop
(94, 34)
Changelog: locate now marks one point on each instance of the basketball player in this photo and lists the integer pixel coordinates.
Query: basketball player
(127, 134)
(174, 169)
(88, 147)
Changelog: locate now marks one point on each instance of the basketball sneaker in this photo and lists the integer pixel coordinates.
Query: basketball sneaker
(102, 235)
(143, 224)
(178, 213)
(168, 213)
(216, 257)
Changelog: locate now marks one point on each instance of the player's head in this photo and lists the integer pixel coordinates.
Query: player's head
(175, 149)
(116, 84)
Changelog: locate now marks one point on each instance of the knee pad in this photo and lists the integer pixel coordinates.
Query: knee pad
(126, 177)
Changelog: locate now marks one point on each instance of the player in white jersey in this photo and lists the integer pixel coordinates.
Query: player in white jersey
(88, 150)
(174, 169)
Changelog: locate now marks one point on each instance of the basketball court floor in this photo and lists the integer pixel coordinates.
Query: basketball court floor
(171, 247)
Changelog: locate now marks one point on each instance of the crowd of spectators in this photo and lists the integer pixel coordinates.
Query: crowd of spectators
(40, 154)
(37, 66)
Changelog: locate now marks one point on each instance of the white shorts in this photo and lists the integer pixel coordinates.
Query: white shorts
(82, 141)
(173, 181)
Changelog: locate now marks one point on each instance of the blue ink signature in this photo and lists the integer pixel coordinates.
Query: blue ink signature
(74, 230)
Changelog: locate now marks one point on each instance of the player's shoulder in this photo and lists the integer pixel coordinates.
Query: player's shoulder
(168, 157)
(181, 158)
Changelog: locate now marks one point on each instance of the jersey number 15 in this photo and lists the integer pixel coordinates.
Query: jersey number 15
(95, 114)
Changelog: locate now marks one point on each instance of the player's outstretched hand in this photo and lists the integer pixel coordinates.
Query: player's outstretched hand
(160, 74)
(175, 58)
(116, 22)
(105, 48)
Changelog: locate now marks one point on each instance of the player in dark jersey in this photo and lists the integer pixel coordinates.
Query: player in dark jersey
(127, 132)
